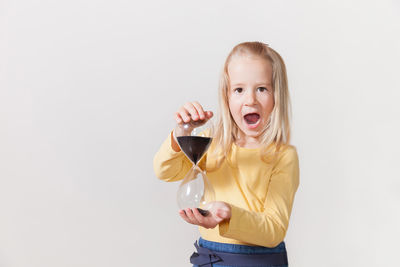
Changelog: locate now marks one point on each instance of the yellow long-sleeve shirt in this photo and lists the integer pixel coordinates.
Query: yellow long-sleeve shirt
(261, 195)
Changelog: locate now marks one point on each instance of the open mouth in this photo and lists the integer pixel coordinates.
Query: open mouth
(252, 118)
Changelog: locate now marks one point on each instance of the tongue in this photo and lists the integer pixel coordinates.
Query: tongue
(252, 118)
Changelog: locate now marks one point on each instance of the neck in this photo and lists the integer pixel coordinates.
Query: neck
(248, 141)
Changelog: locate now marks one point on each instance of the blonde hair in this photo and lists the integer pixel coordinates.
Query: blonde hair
(277, 131)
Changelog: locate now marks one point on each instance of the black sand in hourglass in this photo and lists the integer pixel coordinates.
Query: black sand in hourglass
(194, 147)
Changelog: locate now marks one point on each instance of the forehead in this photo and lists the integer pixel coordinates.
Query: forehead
(245, 69)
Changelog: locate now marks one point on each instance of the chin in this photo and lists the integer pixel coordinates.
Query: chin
(248, 133)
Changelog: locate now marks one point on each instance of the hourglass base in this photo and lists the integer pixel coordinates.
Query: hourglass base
(202, 212)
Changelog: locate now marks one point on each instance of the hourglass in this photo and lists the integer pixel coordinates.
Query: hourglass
(195, 191)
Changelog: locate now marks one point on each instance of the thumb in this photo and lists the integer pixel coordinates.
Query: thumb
(209, 114)
(222, 214)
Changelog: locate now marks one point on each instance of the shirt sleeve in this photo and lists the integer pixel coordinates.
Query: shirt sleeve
(170, 165)
(268, 228)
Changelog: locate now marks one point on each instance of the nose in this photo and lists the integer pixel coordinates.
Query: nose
(250, 98)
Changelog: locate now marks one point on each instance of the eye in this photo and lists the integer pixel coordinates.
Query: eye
(262, 89)
(238, 90)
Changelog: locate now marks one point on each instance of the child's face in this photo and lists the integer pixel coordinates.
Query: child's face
(251, 98)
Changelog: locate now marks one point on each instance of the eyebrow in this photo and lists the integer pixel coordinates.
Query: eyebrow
(239, 84)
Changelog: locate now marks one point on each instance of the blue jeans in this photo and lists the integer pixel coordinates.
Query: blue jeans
(242, 249)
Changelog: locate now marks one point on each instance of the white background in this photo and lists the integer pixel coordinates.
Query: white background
(87, 94)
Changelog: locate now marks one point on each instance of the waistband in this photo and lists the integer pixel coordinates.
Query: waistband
(206, 257)
(244, 249)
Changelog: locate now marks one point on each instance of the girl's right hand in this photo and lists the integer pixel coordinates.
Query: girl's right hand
(192, 111)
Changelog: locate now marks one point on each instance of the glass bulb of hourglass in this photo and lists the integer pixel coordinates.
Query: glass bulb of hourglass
(195, 190)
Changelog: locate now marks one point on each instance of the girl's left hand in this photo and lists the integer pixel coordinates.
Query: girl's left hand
(218, 211)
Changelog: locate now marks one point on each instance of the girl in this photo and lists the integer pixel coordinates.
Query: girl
(250, 164)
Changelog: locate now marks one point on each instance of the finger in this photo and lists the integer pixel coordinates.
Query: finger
(178, 118)
(189, 214)
(182, 213)
(192, 110)
(184, 113)
(200, 218)
(199, 109)
(209, 114)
